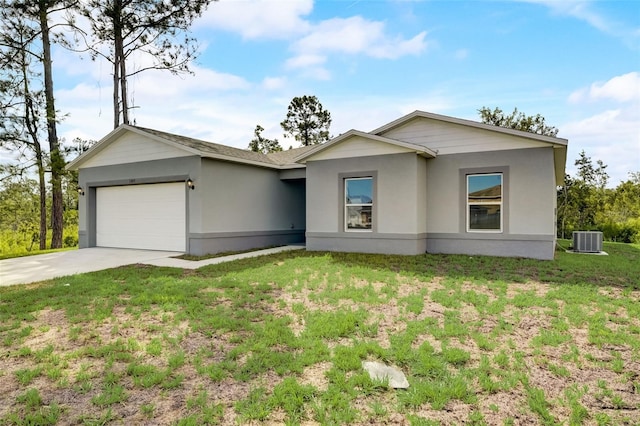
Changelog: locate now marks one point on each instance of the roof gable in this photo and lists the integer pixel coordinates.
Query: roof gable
(131, 147)
(444, 120)
(355, 143)
(450, 138)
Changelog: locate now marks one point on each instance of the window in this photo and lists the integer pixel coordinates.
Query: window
(484, 202)
(358, 204)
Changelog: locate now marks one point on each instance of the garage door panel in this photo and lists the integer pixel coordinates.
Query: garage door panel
(141, 216)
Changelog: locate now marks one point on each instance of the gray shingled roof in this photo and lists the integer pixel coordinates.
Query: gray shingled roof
(286, 157)
(276, 158)
(210, 147)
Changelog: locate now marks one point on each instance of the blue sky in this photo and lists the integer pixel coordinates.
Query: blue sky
(369, 62)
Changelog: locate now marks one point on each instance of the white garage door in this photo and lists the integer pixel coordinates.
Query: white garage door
(151, 217)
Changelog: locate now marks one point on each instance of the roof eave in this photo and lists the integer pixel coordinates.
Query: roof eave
(239, 160)
(291, 166)
(560, 161)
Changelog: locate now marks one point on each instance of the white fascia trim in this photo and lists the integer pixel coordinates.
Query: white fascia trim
(239, 160)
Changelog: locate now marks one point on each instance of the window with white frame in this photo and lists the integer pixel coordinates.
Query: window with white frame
(484, 202)
(358, 204)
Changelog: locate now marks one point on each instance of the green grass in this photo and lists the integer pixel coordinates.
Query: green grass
(33, 411)
(282, 338)
(23, 252)
(195, 258)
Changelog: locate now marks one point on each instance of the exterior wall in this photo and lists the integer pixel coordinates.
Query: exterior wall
(419, 204)
(233, 206)
(159, 171)
(398, 210)
(528, 205)
(293, 174)
(241, 207)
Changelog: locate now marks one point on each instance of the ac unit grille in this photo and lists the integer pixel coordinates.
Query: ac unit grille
(587, 241)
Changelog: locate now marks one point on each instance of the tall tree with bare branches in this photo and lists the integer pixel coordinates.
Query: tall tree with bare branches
(121, 29)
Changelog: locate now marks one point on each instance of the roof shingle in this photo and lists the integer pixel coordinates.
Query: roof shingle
(280, 158)
(210, 147)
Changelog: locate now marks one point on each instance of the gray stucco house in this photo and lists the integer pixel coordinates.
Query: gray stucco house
(422, 183)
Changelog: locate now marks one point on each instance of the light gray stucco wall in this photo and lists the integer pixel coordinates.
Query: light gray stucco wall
(398, 212)
(528, 209)
(242, 207)
(233, 206)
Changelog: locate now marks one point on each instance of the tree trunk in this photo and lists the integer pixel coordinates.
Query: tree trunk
(43, 201)
(57, 161)
(116, 93)
(120, 99)
(30, 118)
(123, 86)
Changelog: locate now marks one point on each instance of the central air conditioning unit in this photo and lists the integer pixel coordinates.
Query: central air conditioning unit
(587, 241)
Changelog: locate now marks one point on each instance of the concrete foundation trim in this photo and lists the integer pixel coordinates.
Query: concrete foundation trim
(529, 246)
(217, 242)
(83, 239)
(406, 244)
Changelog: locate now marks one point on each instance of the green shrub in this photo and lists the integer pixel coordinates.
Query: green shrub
(622, 232)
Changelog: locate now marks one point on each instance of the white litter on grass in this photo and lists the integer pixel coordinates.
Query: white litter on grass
(378, 371)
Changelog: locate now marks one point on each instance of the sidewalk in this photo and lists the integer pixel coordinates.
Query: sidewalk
(191, 264)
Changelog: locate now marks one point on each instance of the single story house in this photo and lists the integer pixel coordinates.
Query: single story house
(422, 183)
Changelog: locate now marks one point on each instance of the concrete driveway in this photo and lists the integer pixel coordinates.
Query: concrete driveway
(29, 269)
(23, 270)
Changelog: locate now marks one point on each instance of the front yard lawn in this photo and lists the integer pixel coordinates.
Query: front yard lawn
(281, 338)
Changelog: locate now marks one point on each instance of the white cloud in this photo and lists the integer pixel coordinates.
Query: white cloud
(259, 18)
(622, 88)
(317, 73)
(304, 61)
(204, 80)
(356, 35)
(351, 36)
(584, 10)
(611, 136)
(274, 83)
(80, 93)
(580, 10)
(162, 101)
(312, 43)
